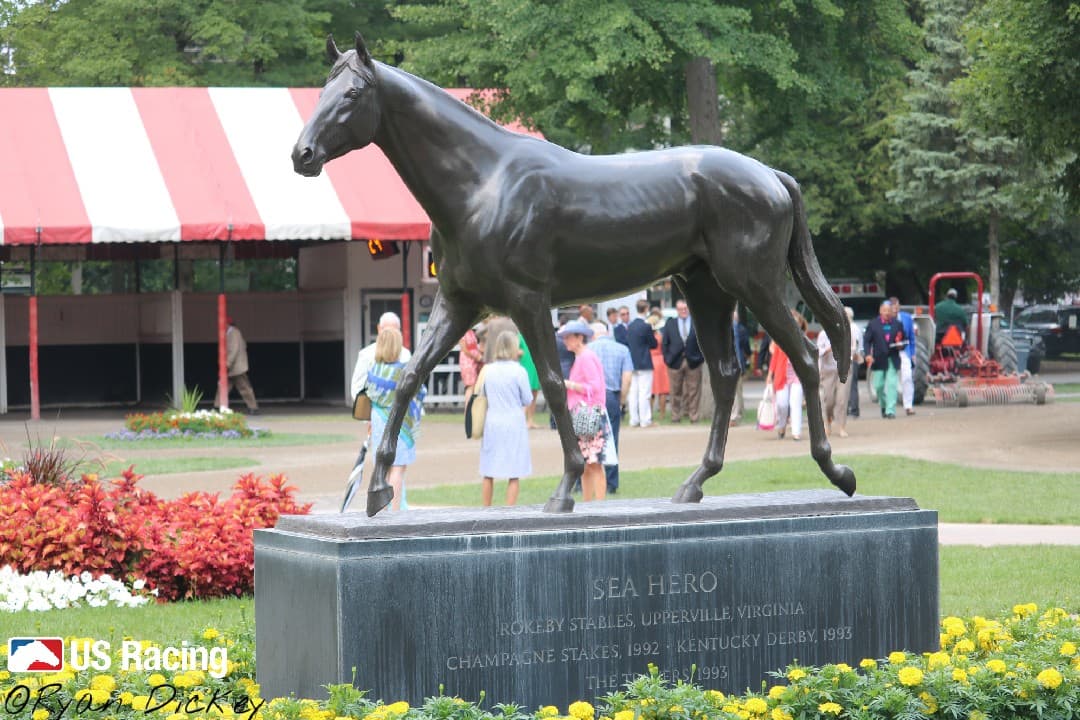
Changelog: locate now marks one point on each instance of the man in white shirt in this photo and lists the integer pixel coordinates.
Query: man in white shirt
(365, 360)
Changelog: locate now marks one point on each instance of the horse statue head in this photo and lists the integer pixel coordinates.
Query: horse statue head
(347, 114)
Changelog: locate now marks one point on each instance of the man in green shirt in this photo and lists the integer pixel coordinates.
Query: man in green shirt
(949, 312)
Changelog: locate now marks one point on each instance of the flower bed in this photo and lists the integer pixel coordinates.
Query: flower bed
(41, 590)
(172, 423)
(1023, 666)
(196, 546)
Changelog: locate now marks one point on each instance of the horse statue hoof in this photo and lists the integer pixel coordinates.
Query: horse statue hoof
(378, 499)
(846, 480)
(688, 493)
(559, 505)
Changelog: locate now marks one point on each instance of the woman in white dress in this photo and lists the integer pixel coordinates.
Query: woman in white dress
(504, 447)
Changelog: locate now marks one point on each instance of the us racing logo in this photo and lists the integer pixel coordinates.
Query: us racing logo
(35, 654)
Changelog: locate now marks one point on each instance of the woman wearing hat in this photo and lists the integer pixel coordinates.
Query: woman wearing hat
(585, 391)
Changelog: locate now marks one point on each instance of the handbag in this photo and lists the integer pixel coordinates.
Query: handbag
(361, 406)
(476, 409)
(587, 420)
(766, 412)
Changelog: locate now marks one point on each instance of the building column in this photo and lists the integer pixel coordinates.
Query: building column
(176, 302)
(3, 358)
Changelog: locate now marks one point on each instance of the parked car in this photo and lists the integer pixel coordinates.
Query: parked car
(1058, 325)
(1030, 349)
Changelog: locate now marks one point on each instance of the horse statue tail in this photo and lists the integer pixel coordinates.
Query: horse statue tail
(811, 282)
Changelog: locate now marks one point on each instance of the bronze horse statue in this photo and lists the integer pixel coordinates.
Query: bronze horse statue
(521, 225)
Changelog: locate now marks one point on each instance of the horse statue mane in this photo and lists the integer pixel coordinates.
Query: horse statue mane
(520, 225)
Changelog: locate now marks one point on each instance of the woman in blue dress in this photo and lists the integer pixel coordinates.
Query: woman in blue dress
(382, 384)
(504, 447)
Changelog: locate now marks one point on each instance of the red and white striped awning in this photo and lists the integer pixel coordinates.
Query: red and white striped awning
(99, 165)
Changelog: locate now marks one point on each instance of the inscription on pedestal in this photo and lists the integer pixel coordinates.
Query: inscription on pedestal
(574, 611)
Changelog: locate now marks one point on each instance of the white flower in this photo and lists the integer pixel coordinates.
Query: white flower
(45, 591)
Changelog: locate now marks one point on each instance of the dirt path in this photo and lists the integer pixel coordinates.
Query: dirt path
(1018, 437)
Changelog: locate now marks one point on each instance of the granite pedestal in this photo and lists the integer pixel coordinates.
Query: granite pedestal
(534, 608)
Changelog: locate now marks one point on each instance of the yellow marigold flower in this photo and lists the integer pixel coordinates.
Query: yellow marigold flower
(910, 676)
(930, 702)
(977, 715)
(796, 674)
(963, 647)
(4, 674)
(744, 714)
(777, 691)
(548, 711)
(103, 682)
(755, 705)
(897, 657)
(139, 702)
(126, 697)
(1068, 649)
(624, 715)
(1025, 609)
(829, 708)
(155, 680)
(1055, 615)
(40, 714)
(675, 709)
(780, 714)
(954, 626)
(581, 710)
(183, 680)
(937, 660)
(868, 663)
(1049, 678)
(714, 695)
(399, 708)
(996, 666)
(730, 709)
(959, 676)
(210, 633)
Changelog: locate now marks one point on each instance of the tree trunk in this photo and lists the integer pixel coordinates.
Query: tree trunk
(995, 258)
(703, 102)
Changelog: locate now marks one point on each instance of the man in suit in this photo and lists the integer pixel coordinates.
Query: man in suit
(640, 339)
(684, 359)
(619, 328)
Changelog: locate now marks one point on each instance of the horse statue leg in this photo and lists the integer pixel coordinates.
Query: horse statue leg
(448, 323)
(782, 328)
(711, 310)
(534, 322)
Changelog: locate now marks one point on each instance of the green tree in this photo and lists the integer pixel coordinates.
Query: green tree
(947, 168)
(1023, 78)
(162, 42)
(602, 75)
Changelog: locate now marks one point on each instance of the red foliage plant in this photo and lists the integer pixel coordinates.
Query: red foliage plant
(197, 546)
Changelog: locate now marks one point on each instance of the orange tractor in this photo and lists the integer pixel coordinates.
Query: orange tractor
(979, 368)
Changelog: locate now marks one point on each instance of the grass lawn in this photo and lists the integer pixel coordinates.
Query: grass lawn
(959, 494)
(166, 465)
(168, 623)
(974, 581)
(274, 440)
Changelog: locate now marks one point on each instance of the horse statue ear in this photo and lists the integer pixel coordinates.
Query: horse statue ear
(362, 53)
(332, 52)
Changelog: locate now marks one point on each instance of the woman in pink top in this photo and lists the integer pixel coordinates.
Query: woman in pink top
(586, 386)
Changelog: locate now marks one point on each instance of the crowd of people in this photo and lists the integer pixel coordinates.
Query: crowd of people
(634, 369)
